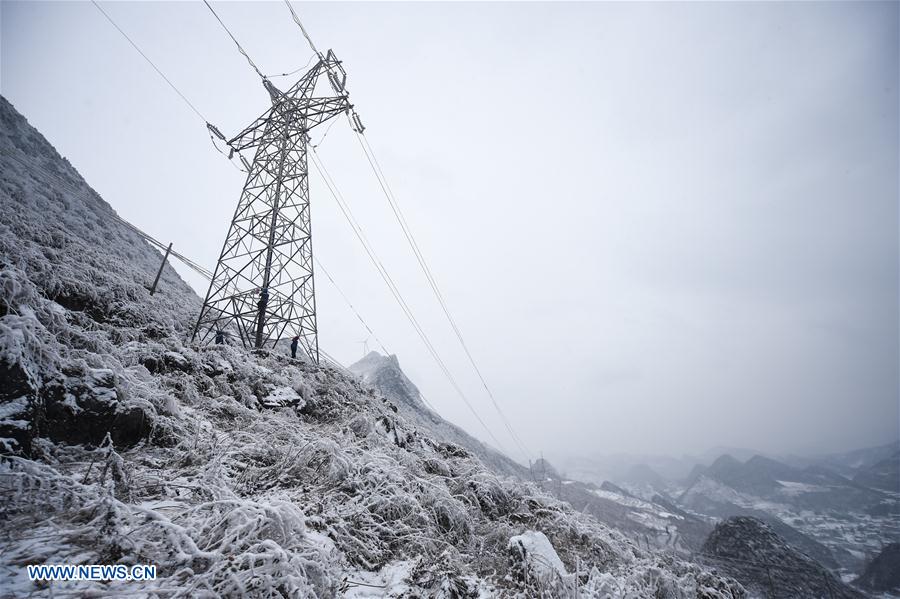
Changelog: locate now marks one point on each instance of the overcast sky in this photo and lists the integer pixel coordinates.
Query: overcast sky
(660, 227)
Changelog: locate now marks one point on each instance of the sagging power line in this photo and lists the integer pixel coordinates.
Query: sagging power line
(150, 62)
(386, 277)
(420, 258)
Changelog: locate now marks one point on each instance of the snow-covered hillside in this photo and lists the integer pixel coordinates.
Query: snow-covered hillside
(238, 474)
(384, 373)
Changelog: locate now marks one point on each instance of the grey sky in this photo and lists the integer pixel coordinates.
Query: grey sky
(661, 227)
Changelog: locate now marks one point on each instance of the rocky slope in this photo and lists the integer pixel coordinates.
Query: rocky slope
(882, 575)
(238, 474)
(384, 373)
(751, 552)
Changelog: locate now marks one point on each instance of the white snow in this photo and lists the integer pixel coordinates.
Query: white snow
(389, 581)
(13, 407)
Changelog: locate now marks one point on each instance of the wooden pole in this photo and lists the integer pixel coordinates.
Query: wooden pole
(159, 272)
(577, 593)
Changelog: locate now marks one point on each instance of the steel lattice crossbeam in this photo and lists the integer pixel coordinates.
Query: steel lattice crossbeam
(263, 287)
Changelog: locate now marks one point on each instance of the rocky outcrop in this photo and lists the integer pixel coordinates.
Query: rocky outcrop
(748, 550)
(882, 575)
(384, 374)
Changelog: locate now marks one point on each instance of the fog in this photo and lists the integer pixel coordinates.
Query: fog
(659, 227)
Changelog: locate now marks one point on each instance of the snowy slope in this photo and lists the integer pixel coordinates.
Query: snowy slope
(236, 474)
(385, 374)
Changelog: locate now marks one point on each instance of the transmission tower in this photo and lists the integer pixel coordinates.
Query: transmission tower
(263, 288)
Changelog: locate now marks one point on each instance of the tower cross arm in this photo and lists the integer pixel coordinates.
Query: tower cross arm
(252, 134)
(302, 113)
(315, 111)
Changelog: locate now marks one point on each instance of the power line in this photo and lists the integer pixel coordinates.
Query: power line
(420, 258)
(239, 47)
(346, 299)
(759, 565)
(150, 62)
(382, 180)
(297, 70)
(166, 79)
(368, 328)
(404, 226)
(360, 235)
(302, 28)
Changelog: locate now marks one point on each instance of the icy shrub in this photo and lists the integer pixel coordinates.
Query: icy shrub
(440, 577)
(436, 467)
(361, 426)
(448, 514)
(17, 395)
(323, 462)
(261, 550)
(486, 492)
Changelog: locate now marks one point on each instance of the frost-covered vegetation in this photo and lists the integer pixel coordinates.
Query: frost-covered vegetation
(238, 474)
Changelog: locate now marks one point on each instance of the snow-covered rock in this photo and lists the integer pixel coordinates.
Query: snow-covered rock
(533, 551)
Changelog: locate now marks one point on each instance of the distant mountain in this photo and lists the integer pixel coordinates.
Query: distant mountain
(619, 467)
(813, 487)
(696, 472)
(741, 453)
(829, 517)
(850, 462)
(724, 468)
(884, 474)
(748, 550)
(642, 475)
(614, 488)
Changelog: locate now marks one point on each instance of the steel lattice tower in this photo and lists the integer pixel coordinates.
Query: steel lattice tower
(263, 288)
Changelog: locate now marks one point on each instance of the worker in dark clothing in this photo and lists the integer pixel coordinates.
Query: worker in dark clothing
(294, 342)
(220, 337)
